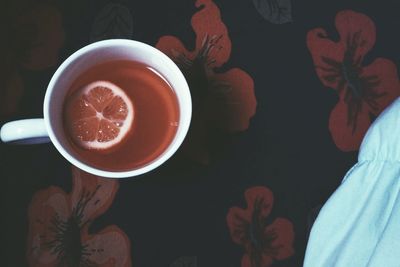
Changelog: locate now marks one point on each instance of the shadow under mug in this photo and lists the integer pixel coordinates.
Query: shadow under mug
(50, 128)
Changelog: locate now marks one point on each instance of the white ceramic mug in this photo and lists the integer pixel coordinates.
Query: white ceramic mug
(50, 128)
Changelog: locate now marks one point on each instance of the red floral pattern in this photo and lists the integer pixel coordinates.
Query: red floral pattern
(364, 91)
(223, 101)
(59, 222)
(34, 38)
(263, 243)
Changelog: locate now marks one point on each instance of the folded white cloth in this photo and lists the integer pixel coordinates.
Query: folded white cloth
(359, 225)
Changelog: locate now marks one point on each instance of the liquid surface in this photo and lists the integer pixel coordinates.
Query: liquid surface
(156, 115)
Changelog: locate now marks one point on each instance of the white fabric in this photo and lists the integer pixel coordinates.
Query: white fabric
(359, 226)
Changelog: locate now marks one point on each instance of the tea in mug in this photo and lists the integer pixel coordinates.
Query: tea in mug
(120, 115)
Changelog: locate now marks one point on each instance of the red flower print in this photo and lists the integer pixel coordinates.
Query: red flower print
(364, 90)
(263, 243)
(59, 222)
(223, 101)
(34, 38)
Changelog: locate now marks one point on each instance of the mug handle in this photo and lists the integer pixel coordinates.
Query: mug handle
(29, 131)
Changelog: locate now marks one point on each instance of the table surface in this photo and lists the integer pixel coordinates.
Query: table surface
(283, 92)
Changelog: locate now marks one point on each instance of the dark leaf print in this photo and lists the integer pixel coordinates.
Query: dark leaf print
(275, 11)
(185, 261)
(113, 21)
(35, 36)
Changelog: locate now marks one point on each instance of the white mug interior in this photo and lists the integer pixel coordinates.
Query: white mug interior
(103, 51)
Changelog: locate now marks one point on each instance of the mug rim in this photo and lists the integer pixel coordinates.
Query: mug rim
(178, 139)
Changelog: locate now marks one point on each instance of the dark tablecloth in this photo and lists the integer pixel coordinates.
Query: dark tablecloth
(283, 92)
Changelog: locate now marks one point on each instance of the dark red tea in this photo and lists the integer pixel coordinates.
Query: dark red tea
(156, 115)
